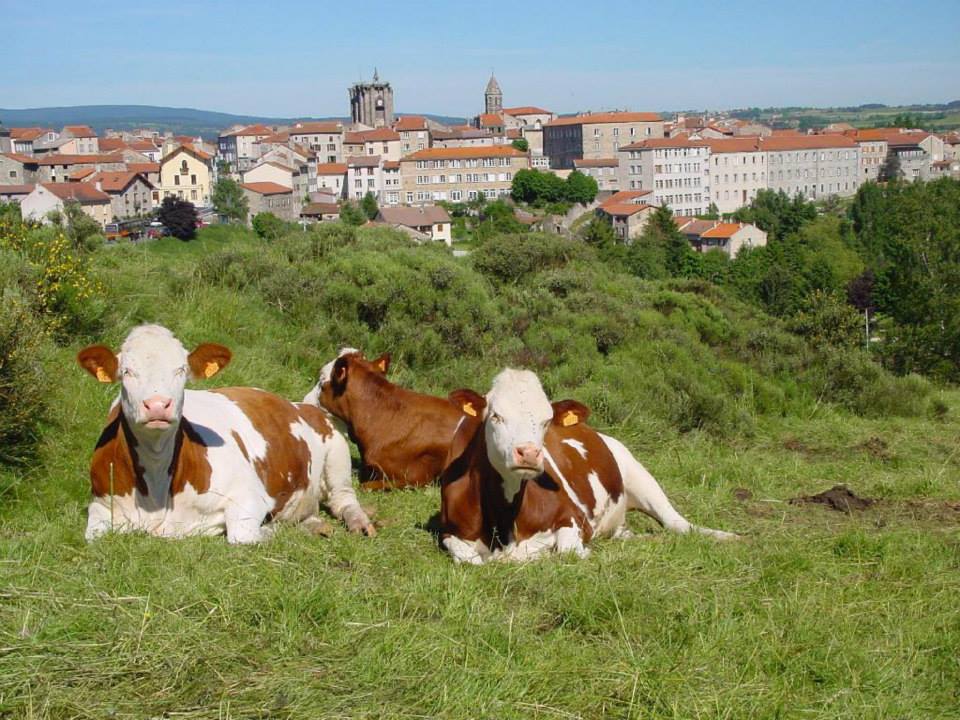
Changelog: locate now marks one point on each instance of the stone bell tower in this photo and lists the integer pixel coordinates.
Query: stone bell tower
(371, 103)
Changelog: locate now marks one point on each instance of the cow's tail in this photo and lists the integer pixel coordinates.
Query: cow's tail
(645, 494)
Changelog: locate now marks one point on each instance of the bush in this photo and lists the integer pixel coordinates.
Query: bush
(24, 345)
(179, 217)
(269, 227)
(508, 258)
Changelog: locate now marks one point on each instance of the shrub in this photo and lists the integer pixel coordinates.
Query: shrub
(269, 227)
(507, 258)
(179, 217)
(24, 345)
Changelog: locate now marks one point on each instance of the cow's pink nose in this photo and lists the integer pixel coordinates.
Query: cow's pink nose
(528, 455)
(158, 407)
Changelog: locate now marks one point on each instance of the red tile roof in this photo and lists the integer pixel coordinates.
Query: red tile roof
(331, 169)
(482, 151)
(623, 209)
(144, 168)
(254, 130)
(391, 165)
(733, 145)
(81, 192)
(490, 120)
(410, 122)
(30, 133)
(316, 128)
(109, 144)
(723, 230)
(267, 188)
(607, 117)
(193, 150)
(17, 189)
(320, 208)
(526, 110)
(596, 162)
(114, 180)
(365, 136)
(677, 142)
(625, 196)
(22, 159)
(79, 131)
(57, 159)
(78, 175)
(141, 145)
(805, 142)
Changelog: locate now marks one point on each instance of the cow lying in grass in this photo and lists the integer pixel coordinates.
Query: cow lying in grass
(175, 462)
(526, 477)
(403, 436)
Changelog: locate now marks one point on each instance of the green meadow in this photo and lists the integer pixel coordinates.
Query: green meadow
(813, 613)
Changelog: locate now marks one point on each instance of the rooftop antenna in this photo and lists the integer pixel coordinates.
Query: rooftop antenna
(376, 75)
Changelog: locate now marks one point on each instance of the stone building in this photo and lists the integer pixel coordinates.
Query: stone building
(371, 103)
(460, 174)
(737, 170)
(493, 98)
(596, 135)
(676, 169)
(815, 166)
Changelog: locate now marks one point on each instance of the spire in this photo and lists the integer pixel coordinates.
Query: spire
(376, 75)
(493, 88)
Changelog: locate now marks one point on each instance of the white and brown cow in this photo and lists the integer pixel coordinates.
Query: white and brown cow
(526, 477)
(175, 462)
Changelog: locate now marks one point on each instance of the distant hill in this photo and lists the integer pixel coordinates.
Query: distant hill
(181, 121)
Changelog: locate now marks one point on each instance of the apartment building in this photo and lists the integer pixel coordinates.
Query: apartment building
(240, 148)
(596, 135)
(324, 138)
(676, 169)
(414, 133)
(391, 192)
(606, 171)
(186, 172)
(364, 175)
(460, 174)
(815, 166)
(382, 142)
(737, 170)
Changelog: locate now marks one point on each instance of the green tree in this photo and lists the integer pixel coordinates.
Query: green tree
(351, 214)
(599, 233)
(580, 188)
(268, 226)
(229, 200)
(179, 216)
(521, 144)
(369, 206)
(890, 170)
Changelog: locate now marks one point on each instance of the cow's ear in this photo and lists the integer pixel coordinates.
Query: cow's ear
(469, 403)
(208, 359)
(99, 361)
(474, 408)
(569, 412)
(338, 376)
(382, 363)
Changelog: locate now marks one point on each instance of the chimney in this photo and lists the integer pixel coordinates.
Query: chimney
(99, 185)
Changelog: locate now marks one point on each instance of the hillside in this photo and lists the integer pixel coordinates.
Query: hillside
(814, 613)
(181, 121)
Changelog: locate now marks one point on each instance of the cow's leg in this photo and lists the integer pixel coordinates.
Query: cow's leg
(99, 520)
(245, 525)
(531, 548)
(341, 498)
(645, 494)
(569, 539)
(472, 552)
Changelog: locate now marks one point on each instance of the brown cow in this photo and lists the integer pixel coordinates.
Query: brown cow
(403, 436)
(526, 477)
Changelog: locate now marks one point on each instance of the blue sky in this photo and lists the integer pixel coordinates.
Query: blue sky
(297, 58)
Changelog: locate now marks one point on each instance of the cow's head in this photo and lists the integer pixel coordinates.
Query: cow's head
(152, 368)
(332, 387)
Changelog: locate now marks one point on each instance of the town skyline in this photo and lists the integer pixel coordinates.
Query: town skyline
(651, 59)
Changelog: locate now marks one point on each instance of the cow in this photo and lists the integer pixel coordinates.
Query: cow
(173, 462)
(526, 477)
(403, 436)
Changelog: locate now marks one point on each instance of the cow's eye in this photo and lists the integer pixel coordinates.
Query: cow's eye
(181, 371)
(127, 372)
(496, 418)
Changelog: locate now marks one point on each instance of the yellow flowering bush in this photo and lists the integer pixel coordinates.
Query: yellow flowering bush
(66, 295)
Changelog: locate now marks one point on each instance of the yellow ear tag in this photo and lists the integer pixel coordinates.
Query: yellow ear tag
(211, 369)
(570, 418)
(102, 375)
(382, 365)
(468, 409)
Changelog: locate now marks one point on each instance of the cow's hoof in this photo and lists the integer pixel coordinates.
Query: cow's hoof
(318, 527)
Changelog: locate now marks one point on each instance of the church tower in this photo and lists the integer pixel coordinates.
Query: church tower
(493, 97)
(372, 103)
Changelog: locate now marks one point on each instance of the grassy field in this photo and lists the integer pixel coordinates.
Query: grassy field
(813, 614)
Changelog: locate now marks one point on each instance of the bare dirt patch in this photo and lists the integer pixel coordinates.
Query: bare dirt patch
(877, 448)
(839, 497)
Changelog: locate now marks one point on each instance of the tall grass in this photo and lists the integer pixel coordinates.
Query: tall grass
(814, 614)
